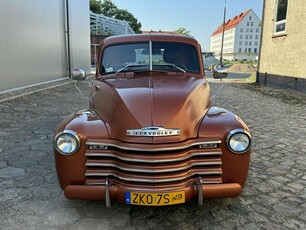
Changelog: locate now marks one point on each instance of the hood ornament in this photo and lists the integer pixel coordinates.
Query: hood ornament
(153, 131)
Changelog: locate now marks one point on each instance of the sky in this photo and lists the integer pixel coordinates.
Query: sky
(200, 17)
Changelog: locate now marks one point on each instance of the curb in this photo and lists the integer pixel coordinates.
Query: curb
(24, 91)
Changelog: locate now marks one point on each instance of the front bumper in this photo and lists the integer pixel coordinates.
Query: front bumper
(109, 192)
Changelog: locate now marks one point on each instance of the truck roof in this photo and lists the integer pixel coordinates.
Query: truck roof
(148, 37)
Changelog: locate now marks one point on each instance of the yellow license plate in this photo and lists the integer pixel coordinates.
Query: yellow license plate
(154, 199)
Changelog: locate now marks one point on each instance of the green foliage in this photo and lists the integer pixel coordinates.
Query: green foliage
(95, 6)
(183, 31)
(101, 31)
(230, 63)
(127, 16)
(109, 9)
(252, 78)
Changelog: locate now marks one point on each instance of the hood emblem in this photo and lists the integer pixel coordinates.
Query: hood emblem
(153, 131)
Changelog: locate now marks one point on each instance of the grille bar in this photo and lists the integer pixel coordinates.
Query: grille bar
(153, 169)
(150, 179)
(146, 158)
(151, 148)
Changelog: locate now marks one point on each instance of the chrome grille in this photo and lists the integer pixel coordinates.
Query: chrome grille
(172, 164)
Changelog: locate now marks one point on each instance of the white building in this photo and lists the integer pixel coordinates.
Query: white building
(241, 37)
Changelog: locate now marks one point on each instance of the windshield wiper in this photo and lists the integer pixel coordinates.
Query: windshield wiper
(130, 66)
(172, 65)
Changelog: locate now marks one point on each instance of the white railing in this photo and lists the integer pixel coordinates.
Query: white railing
(100, 24)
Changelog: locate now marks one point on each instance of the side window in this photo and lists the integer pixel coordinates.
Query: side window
(280, 17)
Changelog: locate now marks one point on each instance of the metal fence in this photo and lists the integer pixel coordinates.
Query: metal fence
(100, 24)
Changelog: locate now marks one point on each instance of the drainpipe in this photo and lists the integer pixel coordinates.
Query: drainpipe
(67, 37)
(261, 36)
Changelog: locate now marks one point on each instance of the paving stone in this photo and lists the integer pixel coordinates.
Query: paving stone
(295, 224)
(120, 219)
(61, 216)
(87, 223)
(302, 216)
(3, 164)
(11, 172)
(285, 209)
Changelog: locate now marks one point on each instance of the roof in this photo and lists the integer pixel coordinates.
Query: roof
(159, 32)
(148, 37)
(231, 23)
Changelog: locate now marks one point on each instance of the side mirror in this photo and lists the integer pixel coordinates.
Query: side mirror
(219, 73)
(78, 74)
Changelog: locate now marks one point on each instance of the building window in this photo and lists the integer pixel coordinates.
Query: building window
(241, 36)
(256, 36)
(251, 36)
(252, 23)
(241, 29)
(246, 43)
(245, 50)
(250, 43)
(240, 43)
(250, 50)
(250, 17)
(246, 36)
(255, 50)
(239, 50)
(247, 30)
(248, 23)
(257, 30)
(256, 43)
(281, 15)
(251, 30)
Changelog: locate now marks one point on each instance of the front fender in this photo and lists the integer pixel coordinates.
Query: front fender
(70, 168)
(217, 124)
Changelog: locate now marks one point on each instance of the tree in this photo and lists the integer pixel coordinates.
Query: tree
(183, 31)
(95, 6)
(109, 9)
(127, 16)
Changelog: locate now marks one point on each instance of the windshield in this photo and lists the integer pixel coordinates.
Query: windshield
(162, 56)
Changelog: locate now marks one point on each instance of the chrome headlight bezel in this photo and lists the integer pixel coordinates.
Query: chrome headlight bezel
(68, 134)
(234, 133)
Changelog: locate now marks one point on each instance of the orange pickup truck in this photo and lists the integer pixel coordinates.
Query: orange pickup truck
(150, 135)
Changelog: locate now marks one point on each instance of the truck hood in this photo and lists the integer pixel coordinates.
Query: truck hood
(170, 102)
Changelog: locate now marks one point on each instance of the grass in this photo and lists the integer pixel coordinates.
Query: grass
(252, 78)
(230, 63)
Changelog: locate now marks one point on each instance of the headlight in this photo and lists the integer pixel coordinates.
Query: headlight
(238, 141)
(67, 142)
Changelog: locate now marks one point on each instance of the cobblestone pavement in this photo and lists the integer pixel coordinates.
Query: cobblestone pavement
(274, 197)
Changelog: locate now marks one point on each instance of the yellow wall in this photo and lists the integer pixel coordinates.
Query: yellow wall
(284, 55)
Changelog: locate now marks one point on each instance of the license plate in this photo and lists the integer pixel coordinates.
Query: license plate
(154, 199)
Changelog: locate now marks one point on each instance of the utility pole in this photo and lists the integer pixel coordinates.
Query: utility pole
(222, 41)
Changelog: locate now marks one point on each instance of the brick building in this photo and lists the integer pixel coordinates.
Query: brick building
(282, 57)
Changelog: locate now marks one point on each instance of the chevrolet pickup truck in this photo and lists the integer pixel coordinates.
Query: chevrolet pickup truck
(151, 135)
